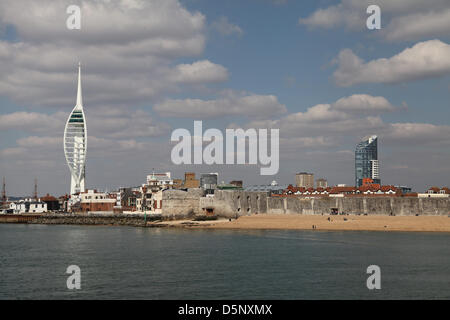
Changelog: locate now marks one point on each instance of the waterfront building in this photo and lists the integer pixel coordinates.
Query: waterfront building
(28, 206)
(94, 201)
(433, 195)
(304, 179)
(190, 181)
(64, 203)
(208, 182)
(75, 143)
(302, 191)
(160, 179)
(322, 183)
(270, 189)
(148, 199)
(404, 189)
(52, 203)
(366, 161)
(128, 199)
(228, 186)
(178, 183)
(435, 192)
(237, 183)
(342, 191)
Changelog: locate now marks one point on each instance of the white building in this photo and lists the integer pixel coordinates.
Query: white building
(150, 199)
(375, 169)
(435, 192)
(93, 201)
(432, 195)
(28, 206)
(160, 179)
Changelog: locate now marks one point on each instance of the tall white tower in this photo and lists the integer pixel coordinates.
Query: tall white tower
(75, 142)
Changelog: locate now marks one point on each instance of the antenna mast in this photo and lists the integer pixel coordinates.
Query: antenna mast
(35, 194)
(4, 198)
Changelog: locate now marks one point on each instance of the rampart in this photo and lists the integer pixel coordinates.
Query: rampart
(238, 203)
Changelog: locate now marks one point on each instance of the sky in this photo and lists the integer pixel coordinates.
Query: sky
(311, 69)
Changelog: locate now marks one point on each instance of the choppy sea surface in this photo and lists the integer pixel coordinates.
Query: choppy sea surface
(137, 263)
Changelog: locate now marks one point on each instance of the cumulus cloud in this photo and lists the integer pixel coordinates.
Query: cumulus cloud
(106, 21)
(251, 105)
(200, 72)
(401, 20)
(418, 133)
(334, 16)
(418, 26)
(357, 114)
(31, 121)
(364, 103)
(424, 60)
(225, 27)
(102, 122)
(325, 126)
(125, 124)
(128, 50)
(39, 142)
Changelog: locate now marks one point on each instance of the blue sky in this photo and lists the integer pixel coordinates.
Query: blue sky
(144, 61)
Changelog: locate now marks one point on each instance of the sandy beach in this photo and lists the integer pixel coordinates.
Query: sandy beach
(351, 222)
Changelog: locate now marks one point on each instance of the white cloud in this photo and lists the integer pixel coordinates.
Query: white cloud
(200, 72)
(364, 103)
(105, 21)
(418, 133)
(131, 124)
(334, 16)
(358, 115)
(31, 121)
(225, 27)
(39, 142)
(114, 123)
(418, 26)
(255, 106)
(128, 50)
(424, 60)
(354, 115)
(401, 19)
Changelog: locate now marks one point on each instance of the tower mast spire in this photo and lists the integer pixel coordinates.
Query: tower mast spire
(75, 142)
(79, 103)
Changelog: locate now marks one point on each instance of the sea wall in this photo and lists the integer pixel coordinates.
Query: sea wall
(231, 204)
(239, 203)
(95, 219)
(180, 204)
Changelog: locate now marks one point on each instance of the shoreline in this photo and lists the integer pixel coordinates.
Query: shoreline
(381, 223)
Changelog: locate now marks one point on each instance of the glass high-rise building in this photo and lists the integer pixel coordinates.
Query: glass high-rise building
(366, 161)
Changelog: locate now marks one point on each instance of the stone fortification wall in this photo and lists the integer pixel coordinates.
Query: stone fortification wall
(232, 203)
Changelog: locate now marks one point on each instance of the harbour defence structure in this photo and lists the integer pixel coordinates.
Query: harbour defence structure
(192, 203)
(178, 204)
